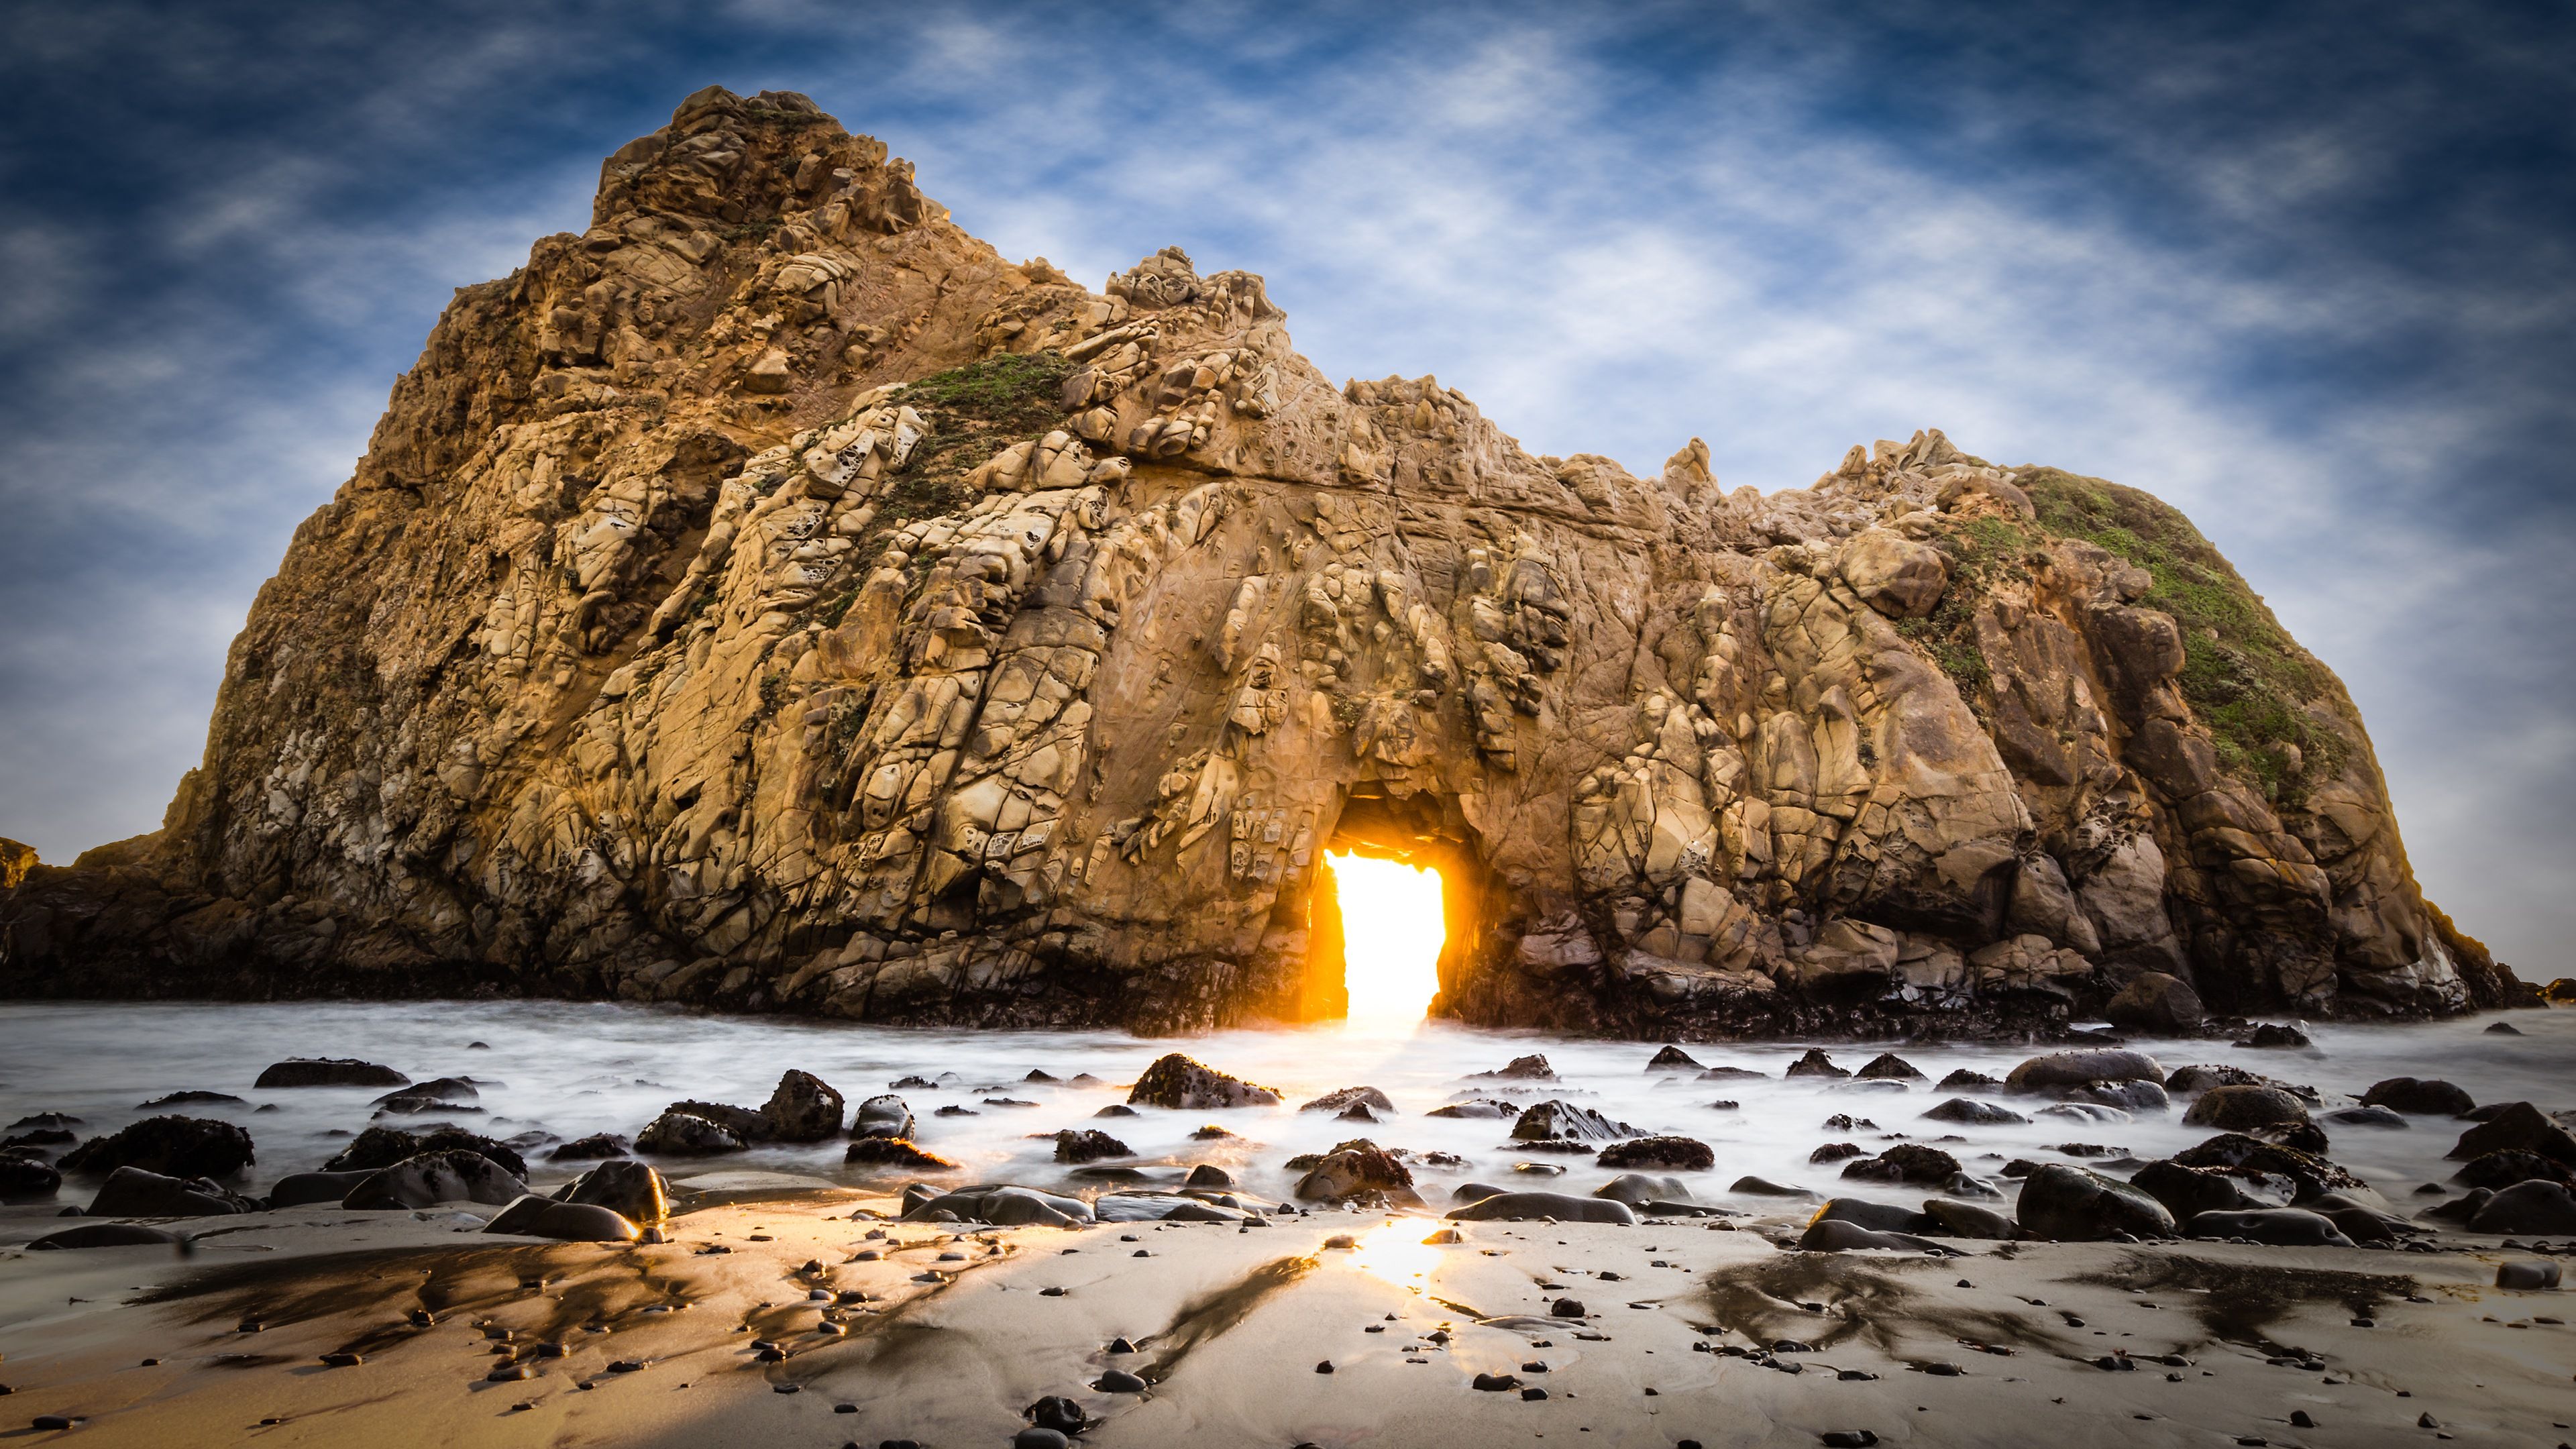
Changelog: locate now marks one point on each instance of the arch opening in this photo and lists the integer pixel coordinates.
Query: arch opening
(1399, 950)
(1393, 926)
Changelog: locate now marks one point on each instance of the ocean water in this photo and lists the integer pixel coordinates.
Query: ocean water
(570, 1069)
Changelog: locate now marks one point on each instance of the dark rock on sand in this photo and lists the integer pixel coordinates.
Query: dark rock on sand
(1974, 1114)
(883, 1115)
(2156, 1002)
(893, 1152)
(330, 1072)
(1889, 1067)
(131, 1192)
(1481, 1108)
(1765, 1187)
(1356, 1170)
(2517, 1127)
(1004, 1205)
(1687, 1153)
(2073, 1205)
(1967, 1220)
(2504, 1169)
(1673, 1059)
(742, 1122)
(1531, 1068)
(1885, 1217)
(803, 1108)
(590, 1149)
(2239, 1109)
(2187, 1192)
(1836, 1152)
(2503, 1028)
(2274, 1227)
(1349, 1097)
(1907, 1162)
(1637, 1189)
(1553, 1120)
(25, 1179)
(1114, 1109)
(532, 1216)
(1815, 1064)
(2528, 1207)
(1208, 1174)
(1835, 1235)
(304, 1189)
(381, 1147)
(1564, 1207)
(177, 1146)
(1088, 1145)
(436, 1177)
(1177, 1082)
(685, 1134)
(1963, 1080)
(2424, 1096)
(632, 1190)
(109, 1235)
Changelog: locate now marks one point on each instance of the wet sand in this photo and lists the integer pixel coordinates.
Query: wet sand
(673, 1344)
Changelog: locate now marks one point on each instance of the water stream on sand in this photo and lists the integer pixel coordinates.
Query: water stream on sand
(571, 1069)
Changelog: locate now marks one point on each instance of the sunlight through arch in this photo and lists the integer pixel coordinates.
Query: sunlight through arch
(1393, 925)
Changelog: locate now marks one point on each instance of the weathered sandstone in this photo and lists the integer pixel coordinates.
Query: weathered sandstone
(772, 598)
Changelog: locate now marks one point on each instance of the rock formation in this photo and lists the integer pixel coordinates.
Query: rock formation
(773, 598)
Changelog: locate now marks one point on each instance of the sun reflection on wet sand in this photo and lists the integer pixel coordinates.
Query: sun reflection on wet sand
(1397, 1253)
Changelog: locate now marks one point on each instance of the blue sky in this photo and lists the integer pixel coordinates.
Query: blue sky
(2304, 271)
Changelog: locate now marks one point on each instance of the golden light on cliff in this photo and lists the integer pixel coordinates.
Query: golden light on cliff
(1393, 926)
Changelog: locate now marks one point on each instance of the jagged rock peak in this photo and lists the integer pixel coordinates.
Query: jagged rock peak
(771, 597)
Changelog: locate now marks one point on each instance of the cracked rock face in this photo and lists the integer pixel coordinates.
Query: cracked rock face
(773, 598)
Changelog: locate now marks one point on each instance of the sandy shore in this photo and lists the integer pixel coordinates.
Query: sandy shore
(663, 1344)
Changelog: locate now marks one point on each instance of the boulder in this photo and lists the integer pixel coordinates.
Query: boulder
(2191, 1081)
(1177, 1082)
(2423, 1096)
(1886, 1217)
(744, 1123)
(1765, 1187)
(1635, 1189)
(2536, 1208)
(329, 1072)
(2241, 1155)
(1833, 1235)
(531, 1216)
(2187, 1192)
(590, 1149)
(685, 1134)
(884, 1115)
(1815, 1064)
(26, 1179)
(1687, 1153)
(182, 1099)
(893, 1152)
(1079, 1145)
(2504, 1169)
(2074, 1205)
(2518, 1127)
(2276, 1227)
(803, 1108)
(631, 1189)
(2275, 1036)
(1893, 574)
(1481, 1108)
(1960, 1079)
(1352, 1173)
(1531, 1068)
(2239, 1109)
(175, 1146)
(109, 1235)
(1564, 1207)
(1967, 1220)
(2061, 1071)
(1889, 1067)
(2156, 1002)
(131, 1192)
(381, 1147)
(437, 1094)
(304, 1189)
(1553, 1120)
(1673, 1059)
(1907, 1162)
(437, 1177)
(1349, 1097)
(1974, 1114)
(2376, 1119)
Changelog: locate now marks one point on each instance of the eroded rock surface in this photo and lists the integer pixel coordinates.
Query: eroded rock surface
(771, 597)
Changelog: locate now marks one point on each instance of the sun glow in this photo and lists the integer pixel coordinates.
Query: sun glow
(1392, 929)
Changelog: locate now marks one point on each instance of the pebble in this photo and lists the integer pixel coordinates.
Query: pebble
(332, 1360)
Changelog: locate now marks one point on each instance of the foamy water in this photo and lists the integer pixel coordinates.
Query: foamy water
(571, 1069)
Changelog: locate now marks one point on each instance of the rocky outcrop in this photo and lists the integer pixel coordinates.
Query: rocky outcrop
(772, 598)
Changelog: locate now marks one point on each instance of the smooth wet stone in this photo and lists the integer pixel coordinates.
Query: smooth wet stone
(2273, 1227)
(381, 1147)
(1764, 1187)
(633, 1190)
(131, 1192)
(174, 1146)
(1564, 1207)
(329, 1072)
(2423, 1096)
(437, 1177)
(1635, 1188)
(594, 1148)
(2071, 1204)
(108, 1235)
(1878, 1216)
(2528, 1207)
(570, 1222)
(1349, 1097)
(883, 1115)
